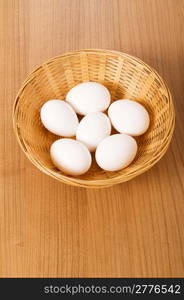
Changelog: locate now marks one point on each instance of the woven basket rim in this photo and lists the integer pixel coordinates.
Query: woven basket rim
(96, 183)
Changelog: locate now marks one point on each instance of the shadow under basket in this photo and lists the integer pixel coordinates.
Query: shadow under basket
(125, 76)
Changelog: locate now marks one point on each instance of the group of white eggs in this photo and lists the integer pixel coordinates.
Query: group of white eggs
(91, 99)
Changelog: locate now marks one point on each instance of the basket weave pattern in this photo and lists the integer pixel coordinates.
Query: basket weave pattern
(126, 77)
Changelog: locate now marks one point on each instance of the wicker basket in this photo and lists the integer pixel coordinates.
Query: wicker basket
(126, 77)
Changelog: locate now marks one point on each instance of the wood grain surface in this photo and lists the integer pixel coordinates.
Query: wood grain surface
(48, 229)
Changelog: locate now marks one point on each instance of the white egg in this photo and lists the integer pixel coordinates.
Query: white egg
(129, 117)
(92, 129)
(88, 97)
(70, 156)
(59, 118)
(116, 152)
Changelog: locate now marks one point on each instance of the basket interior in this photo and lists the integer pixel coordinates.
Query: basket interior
(124, 76)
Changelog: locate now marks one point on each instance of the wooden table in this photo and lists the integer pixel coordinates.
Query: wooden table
(48, 229)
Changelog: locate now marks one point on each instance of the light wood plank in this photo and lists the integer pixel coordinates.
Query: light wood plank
(48, 229)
